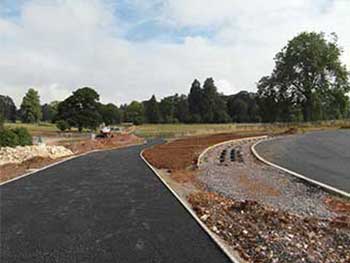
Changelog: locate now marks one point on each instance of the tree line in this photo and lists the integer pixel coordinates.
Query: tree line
(308, 83)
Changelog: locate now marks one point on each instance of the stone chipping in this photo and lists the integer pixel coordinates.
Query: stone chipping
(19, 154)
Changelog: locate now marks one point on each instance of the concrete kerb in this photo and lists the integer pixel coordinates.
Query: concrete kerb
(192, 213)
(188, 208)
(62, 161)
(300, 176)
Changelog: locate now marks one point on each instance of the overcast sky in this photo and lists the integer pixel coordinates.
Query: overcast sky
(131, 49)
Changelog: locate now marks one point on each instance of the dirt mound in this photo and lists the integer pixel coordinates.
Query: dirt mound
(182, 153)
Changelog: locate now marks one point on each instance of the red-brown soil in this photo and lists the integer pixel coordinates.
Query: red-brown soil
(9, 171)
(182, 153)
(106, 143)
(337, 205)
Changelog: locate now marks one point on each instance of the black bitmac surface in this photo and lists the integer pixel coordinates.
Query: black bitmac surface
(322, 156)
(102, 207)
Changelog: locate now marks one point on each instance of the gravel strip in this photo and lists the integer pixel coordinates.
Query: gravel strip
(247, 179)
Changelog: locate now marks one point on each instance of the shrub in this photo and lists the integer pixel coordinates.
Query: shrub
(24, 138)
(8, 138)
(138, 120)
(15, 137)
(62, 125)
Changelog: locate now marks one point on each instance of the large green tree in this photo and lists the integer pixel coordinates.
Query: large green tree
(30, 108)
(8, 108)
(49, 111)
(182, 111)
(167, 109)
(110, 114)
(213, 105)
(81, 109)
(134, 112)
(243, 107)
(152, 112)
(195, 100)
(308, 77)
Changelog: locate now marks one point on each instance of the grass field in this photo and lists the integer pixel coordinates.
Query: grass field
(34, 128)
(179, 130)
(41, 129)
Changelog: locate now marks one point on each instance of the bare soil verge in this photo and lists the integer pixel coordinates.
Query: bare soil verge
(182, 153)
(10, 171)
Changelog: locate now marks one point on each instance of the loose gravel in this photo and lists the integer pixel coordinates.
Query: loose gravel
(248, 179)
(266, 215)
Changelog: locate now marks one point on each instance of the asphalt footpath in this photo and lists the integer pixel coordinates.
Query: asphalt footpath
(102, 207)
(322, 156)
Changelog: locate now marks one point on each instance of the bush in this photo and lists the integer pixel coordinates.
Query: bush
(24, 138)
(15, 137)
(8, 138)
(62, 125)
(138, 120)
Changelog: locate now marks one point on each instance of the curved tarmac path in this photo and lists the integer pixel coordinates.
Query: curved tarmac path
(102, 207)
(322, 156)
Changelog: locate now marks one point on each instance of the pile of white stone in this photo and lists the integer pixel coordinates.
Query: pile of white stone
(20, 154)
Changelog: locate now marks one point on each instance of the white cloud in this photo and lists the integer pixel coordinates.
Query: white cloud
(66, 44)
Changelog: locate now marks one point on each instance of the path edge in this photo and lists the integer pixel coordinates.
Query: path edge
(300, 176)
(218, 242)
(192, 213)
(64, 160)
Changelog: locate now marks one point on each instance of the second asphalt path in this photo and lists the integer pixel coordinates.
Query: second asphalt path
(321, 156)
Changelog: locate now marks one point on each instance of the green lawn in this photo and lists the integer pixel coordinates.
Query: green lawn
(178, 130)
(35, 128)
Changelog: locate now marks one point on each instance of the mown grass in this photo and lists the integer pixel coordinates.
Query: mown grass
(34, 127)
(180, 130)
(39, 129)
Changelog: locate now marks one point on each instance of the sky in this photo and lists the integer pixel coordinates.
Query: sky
(130, 49)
